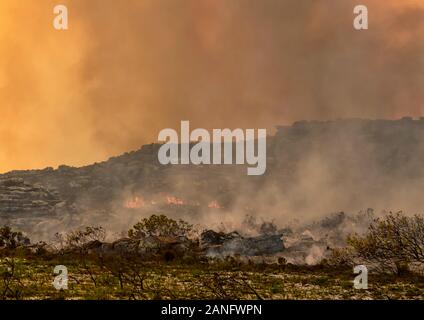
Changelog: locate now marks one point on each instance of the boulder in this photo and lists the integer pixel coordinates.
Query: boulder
(233, 243)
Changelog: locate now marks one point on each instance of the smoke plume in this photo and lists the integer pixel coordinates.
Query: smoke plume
(127, 69)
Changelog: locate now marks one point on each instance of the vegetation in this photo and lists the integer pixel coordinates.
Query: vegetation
(392, 243)
(10, 239)
(160, 225)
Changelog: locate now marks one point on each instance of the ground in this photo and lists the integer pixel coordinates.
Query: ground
(33, 279)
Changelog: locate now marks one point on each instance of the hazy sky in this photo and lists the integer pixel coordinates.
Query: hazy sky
(127, 69)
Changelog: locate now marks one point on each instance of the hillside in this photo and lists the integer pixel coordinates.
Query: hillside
(313, 168)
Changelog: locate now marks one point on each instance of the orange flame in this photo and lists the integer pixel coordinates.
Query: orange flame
(214, 204)
(135, 203)
(174, 200)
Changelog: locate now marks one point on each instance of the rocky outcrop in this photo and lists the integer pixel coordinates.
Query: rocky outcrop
(19, 197)
(219, 243)
(166, 247)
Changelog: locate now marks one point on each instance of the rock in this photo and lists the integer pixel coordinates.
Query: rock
(254, 246)
(148, 247)
(18, 196)
(212, 238)
(233, 243)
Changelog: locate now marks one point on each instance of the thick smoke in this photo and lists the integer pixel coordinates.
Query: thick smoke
(127, 69)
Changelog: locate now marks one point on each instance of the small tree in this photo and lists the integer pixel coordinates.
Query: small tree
(11, 284)
(160, 225)
(393, 242)
(11, 239)
(77, 240)
(77, 243)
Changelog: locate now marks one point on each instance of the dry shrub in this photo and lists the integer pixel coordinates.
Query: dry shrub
(393, 243)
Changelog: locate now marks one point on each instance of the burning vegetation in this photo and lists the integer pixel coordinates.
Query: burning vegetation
(219, 265)
(137, 202)
(252, 232)
(310, 172)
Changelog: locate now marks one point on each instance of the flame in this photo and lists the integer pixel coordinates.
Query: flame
(214, 204)
(174, 200)
(139, 201)
(135, 203)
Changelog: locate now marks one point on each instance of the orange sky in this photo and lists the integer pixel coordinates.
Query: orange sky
(125, 70)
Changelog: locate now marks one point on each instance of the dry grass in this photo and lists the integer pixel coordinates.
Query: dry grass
(33, 279)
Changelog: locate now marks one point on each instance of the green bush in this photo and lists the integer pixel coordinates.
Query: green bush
(160, 225)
